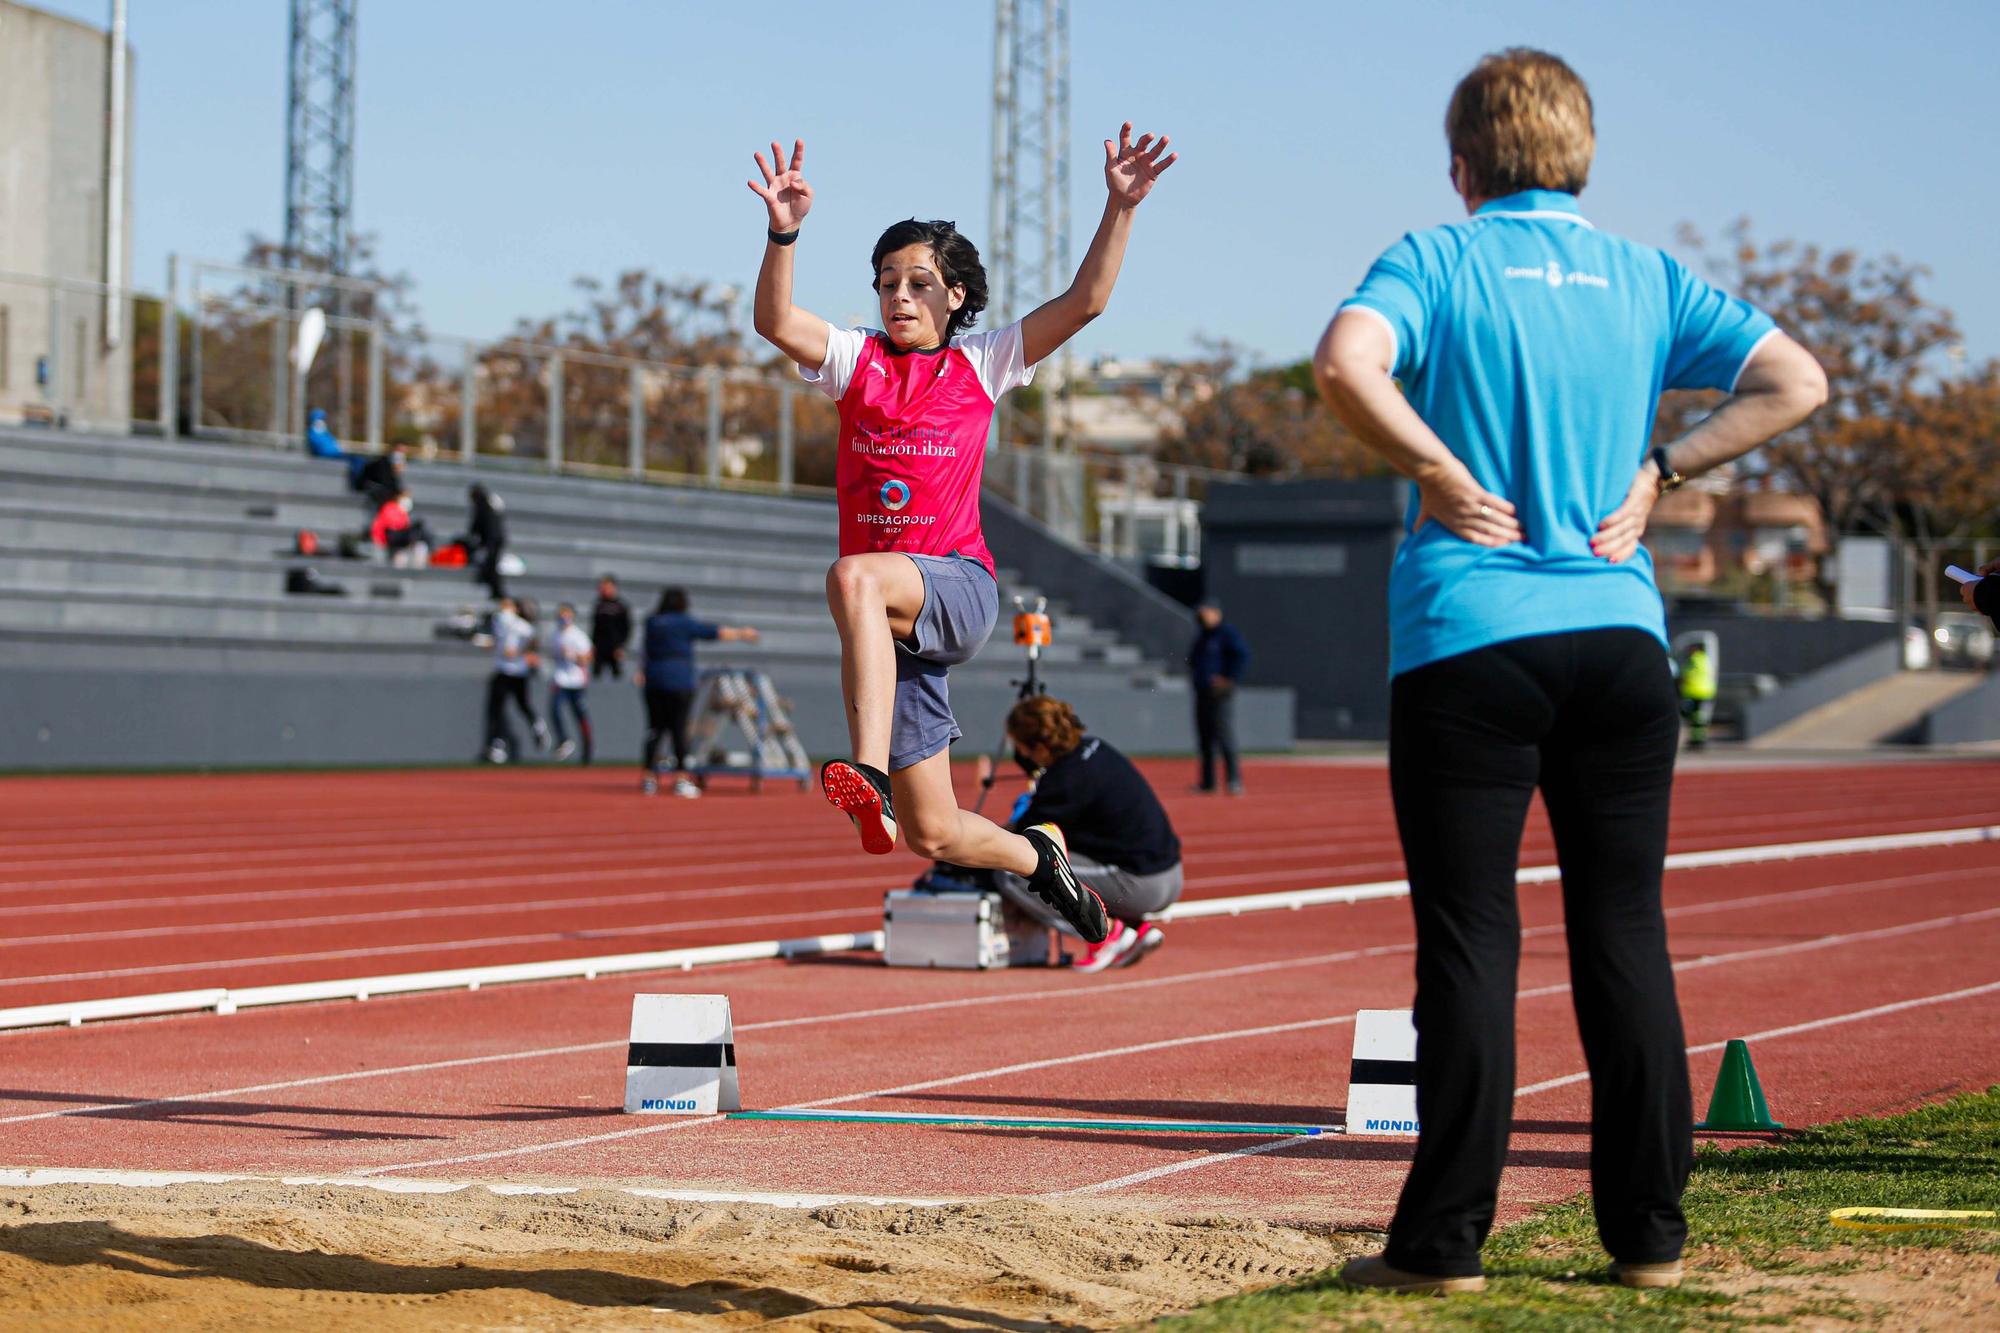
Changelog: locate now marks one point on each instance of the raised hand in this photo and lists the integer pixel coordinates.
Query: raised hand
(784, 191)
(1131, 168)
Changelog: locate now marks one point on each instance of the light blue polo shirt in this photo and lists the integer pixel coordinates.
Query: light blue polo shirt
(1537, 347)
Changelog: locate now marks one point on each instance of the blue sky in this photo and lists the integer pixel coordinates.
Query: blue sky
(505, 147)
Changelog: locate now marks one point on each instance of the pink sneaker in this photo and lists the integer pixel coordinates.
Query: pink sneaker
(1146, 938)
(1109, 951)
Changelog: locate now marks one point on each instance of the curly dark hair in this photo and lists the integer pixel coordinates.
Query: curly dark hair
(1042, 720)
(958, 265)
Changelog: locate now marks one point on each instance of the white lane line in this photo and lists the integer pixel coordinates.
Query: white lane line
(1174, 1168)
(583, 1141)
(1082, 1057)
(1792, 1030)
(35, 1177)
(440, 947)
(846, 1016)
(981, 1001)
(1191, 907)
(492, 909)
(1028, 1066)
(1747, 955)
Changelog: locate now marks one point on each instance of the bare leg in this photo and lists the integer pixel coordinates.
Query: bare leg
(933, 826)
(875, 599)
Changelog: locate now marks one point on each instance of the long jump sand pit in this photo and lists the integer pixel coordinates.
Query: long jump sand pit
(257, 1254)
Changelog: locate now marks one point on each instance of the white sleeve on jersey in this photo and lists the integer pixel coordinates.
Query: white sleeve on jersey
(998, 359)
(843, 354)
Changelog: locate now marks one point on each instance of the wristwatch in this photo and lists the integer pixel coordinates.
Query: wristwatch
(1669, 480)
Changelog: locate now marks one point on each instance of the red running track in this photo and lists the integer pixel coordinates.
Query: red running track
(1872, 977)
(122, 886)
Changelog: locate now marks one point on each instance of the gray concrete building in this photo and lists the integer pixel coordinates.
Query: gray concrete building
(65, 189)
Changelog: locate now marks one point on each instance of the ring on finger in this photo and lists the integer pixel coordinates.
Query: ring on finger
(1484, 512)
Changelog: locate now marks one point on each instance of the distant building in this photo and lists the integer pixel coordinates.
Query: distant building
(1703, 535)
(60, 360)
(1119, 411)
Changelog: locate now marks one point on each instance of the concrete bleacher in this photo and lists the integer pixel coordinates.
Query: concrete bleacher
(144, 621)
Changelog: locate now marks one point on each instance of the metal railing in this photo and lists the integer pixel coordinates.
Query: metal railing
(220, 367)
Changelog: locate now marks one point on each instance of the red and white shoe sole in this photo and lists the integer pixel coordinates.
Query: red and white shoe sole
(855, 796)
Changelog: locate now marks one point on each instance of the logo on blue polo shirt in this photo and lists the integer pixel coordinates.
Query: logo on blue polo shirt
(895, 494)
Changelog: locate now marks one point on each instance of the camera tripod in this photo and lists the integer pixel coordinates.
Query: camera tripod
(1033, 631)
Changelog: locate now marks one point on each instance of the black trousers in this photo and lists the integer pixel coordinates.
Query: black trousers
(1590, 718)
(1215, 732)
(502, 688)
(605, 659)
(667, 715)
(486, 570)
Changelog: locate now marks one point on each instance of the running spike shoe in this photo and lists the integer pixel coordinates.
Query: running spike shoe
(862, 794)
(1058, 886)
(1147, 938)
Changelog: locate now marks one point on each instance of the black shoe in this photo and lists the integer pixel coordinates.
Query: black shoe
(1059, 887)
(862, 794)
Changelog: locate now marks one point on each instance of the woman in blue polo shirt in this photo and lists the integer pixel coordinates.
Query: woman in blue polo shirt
(668, 680)
(1528, 643)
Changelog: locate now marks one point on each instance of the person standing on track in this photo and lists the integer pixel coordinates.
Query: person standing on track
(913, 592)
(568, 652)
(610, 629)
(513, 663)
(668, 680)
(1216, 661)
(1528, 642)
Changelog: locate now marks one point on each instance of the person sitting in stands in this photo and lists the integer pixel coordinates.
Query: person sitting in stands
(379, 478)
(319, 440)
(403, 539)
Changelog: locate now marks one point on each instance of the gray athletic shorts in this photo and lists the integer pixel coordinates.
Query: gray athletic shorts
(961, 604)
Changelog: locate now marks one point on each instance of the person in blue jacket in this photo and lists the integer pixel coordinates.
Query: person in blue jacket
(668, 679)
(319, 440)
(1216, 662)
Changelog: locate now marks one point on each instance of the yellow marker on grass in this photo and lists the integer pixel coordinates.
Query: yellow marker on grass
(1910, 1219)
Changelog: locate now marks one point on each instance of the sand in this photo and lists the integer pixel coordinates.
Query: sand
(267, 1255)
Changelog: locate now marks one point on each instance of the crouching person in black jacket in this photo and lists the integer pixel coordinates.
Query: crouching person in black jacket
(1120, 840)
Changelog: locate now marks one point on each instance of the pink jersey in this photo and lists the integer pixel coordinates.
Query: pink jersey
(913, 429)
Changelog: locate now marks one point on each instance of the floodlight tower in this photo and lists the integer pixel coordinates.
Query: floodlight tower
(319, 157)
(1029, 233)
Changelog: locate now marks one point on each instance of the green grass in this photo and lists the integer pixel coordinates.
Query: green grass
(1753, 1211)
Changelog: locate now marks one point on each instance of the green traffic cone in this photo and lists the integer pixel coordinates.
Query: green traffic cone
(1738, 1101)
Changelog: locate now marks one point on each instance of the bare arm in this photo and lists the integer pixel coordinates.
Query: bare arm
(738, 634)
(1130, 169)
(1780, 386)
(799, 334)
(1352, 367)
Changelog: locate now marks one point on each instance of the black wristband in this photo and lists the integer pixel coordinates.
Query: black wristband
(782, 237)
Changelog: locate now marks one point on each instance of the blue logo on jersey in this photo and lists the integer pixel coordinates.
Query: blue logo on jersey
(895, 494)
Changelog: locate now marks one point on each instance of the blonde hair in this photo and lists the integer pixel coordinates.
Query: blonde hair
(1040, 720)
(1521, 120)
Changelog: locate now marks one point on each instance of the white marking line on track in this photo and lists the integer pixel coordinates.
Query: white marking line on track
(1173, 1169)
(1335, 1020)
(1793, 1029)
(980, 1001)
(446, 946)
(846, 1016)
(1535, 874)
(36, 1177)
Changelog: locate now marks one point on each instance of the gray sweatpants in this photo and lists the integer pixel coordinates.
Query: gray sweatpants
(1127, 897)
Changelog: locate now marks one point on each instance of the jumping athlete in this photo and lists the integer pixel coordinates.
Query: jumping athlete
(913, 592)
